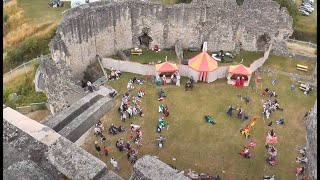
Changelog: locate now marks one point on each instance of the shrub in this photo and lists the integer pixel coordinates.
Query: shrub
(5, 18)
(6, 95)
(28, 49)
(239, 2)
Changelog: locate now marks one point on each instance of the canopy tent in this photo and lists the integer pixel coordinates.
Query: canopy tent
(162, 71)
(166, 67)
(203, 63)
(240, 71)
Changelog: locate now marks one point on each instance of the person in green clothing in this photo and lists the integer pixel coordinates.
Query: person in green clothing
(209, 119)
(162, 124)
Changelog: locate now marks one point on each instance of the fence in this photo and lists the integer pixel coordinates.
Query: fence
(309, 44)
(22, 66)
(184, 70)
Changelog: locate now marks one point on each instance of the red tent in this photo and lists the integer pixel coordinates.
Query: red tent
(203, 63)
(239, 71)
(166, 67)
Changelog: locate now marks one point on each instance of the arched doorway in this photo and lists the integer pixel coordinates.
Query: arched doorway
(262, 41)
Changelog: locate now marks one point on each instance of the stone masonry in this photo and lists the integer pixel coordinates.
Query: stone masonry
(312, 143)
(34, 151)
(107, 27)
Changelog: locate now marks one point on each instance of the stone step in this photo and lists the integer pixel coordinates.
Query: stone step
(65, 117)
(74, 130)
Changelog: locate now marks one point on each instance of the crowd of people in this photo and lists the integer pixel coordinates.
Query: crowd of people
(130, 106)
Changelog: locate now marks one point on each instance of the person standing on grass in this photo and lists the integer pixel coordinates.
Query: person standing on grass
(115, 164)
(178, 79)
(105, 151)
(97, 147)
(124, 117)
(240, 112)
(230, 110)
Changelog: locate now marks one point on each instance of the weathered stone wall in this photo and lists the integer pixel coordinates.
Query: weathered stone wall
(150, 168)
(106, 27)
(312, 142)
(30, 146)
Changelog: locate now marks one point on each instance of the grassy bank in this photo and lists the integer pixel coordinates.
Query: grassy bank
(24, 87)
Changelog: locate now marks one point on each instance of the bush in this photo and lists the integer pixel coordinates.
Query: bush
(30, 48)
(6, 95)
(5, 18)
(239, 2)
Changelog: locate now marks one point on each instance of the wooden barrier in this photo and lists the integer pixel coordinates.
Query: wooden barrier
(136, 52)
(303, 87)
(302, 67)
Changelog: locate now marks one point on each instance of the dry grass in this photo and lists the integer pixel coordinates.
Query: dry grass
(301, 49)
(23, 31)
(213, 148)
(38, 115)
(8, 79)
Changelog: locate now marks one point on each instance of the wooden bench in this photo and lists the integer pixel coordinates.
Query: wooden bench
(303, 87)
(136, 52)
(302, 67)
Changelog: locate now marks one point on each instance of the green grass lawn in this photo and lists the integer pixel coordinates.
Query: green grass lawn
(206, 148)
(306, 26)
(39, 11)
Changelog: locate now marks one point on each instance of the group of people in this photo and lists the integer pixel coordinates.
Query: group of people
(240, 115)
(303, 160)
(130, 105)
(269, 106)
(269, 93)
(240, 81)
(115, 130)
(114, 74)
(98, 131)
(271, 140)
(174, 79)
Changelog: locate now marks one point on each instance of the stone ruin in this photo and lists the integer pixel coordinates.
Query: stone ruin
(107, 27)
(111, 26)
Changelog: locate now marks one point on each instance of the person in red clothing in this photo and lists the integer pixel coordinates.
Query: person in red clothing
(106, 151)
(131, 135)
(242, 81)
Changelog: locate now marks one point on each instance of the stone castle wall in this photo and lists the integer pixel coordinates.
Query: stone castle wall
(312, 142)
(105, 27)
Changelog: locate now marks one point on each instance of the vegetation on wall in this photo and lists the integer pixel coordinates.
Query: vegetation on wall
(24, 88)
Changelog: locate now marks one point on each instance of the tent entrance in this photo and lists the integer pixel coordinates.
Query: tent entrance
(203, 76)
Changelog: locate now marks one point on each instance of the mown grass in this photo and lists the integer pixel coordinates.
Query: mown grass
(206, 148)
(40, 12)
